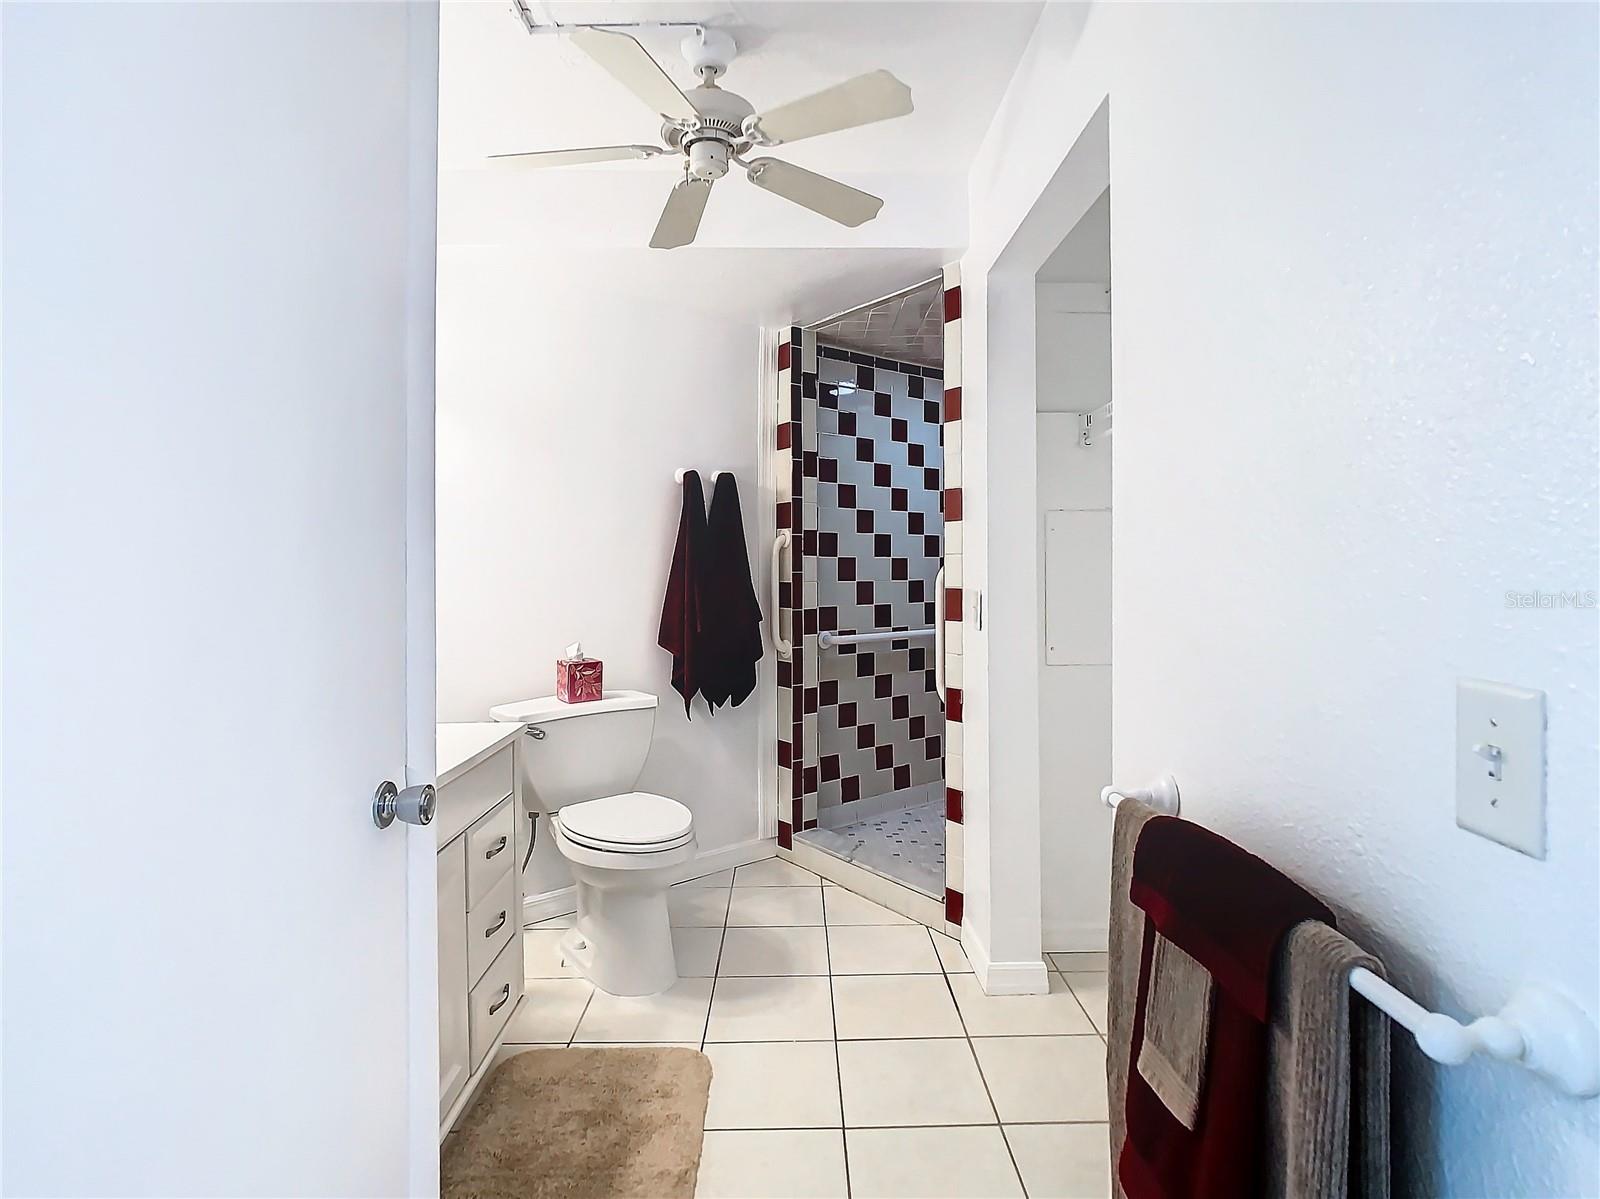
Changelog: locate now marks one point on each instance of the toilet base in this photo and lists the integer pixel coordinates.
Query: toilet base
(622, 940)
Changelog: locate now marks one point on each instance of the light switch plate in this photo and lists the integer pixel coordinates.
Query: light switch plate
(1500, 764)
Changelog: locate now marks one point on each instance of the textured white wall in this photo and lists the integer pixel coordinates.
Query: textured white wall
(1355, 358)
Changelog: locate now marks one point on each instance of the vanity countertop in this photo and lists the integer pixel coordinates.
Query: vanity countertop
(460, 747)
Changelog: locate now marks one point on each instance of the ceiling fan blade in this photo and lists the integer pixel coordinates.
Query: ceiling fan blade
(680, 219)
(631, 65)
(877, 96)
(572, 158)
(832, 199)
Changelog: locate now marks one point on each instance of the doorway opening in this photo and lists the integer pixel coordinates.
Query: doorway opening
(871, 554)
(1073, 431)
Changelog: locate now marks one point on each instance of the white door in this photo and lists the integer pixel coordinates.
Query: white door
(217, 360)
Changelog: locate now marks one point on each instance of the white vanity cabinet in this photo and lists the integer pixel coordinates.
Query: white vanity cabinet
(482, 839)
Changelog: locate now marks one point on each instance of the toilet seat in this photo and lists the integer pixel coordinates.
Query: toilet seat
(632, 823)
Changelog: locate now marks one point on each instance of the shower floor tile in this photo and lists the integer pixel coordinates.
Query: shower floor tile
(906, 845)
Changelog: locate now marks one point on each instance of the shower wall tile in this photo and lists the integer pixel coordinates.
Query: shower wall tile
(955, 606)
(953, 862)
(879, 546)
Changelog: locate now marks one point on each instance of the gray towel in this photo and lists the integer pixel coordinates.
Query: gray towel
(1126, 943)
(1327, 1123)
(1177, 1030)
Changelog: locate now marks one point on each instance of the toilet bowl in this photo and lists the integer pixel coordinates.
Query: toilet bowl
(578, 766)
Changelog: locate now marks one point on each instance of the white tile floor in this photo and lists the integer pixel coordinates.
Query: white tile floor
(852, 1052)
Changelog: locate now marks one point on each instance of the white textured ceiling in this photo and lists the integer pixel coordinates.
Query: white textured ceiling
(909, 327)
(502, 90)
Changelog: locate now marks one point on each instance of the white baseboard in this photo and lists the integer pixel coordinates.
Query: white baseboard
(1076, 937)
(564, 899)
(1003, 978)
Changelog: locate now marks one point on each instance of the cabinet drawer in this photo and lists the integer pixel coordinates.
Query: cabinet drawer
(494, 999)
(462, 800)
(491, 850)
(491, 924)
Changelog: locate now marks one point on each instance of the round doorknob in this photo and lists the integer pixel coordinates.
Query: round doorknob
(414, 805)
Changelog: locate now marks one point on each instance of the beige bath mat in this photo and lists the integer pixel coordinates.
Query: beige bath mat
(582, 1124)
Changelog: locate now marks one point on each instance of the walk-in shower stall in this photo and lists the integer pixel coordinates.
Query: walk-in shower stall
(866, 464)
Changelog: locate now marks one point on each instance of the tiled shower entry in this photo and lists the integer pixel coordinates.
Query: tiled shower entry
(861, 447)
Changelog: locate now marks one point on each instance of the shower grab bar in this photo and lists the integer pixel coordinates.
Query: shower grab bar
(785, 649)
(938, 633)
(826, 638)
(1539, 1029)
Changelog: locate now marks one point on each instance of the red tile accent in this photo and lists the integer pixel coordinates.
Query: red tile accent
(785, 753)
(952, 605)
(952, 704)
(952, 303)
(952, 805)
(785, 833)
(952, 503)
(783, 354)
(953, 901)
(785, 514)
(952, 404)
(785, 435)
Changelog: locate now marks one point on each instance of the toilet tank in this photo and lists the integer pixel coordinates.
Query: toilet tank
(588, 750)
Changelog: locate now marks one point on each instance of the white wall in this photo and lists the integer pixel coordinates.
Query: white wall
(1074, 372)
(1355, 355)
(565, 402)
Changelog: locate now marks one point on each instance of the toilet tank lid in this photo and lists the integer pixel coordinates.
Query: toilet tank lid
(546, 708)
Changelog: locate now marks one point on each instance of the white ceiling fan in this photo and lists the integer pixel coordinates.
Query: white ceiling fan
(711, 128)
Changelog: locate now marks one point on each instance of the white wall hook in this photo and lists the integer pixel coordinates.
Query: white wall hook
(1162, 795)
(712, 477)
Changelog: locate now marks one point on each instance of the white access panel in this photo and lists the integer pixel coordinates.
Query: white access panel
(1077, 588)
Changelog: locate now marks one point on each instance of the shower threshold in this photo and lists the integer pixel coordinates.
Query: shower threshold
(905, 846)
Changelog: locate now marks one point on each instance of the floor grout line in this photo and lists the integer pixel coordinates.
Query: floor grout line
(842, 1128)
(984, 1078)
(838, 1066)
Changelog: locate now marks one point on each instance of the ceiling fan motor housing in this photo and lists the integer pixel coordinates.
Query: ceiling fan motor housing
(720, 131)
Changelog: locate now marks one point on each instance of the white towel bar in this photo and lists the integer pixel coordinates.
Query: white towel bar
(827, 638)
(1538, 1029)
(678, 474)
(1162, 795)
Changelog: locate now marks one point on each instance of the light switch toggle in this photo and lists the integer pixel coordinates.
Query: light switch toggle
(1493, 755)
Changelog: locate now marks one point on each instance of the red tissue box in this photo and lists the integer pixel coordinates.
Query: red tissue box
(578, 679)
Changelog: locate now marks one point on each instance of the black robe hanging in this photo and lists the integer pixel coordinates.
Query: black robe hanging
(682, 622)
(729, 611)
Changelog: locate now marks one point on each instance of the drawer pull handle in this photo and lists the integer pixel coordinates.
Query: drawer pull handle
(505, 994)
(497, 926)
(498, 846)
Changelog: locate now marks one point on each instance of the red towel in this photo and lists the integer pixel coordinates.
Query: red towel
(1228, 910)
(680, 611)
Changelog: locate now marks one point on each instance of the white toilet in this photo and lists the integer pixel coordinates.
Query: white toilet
(579, 764)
